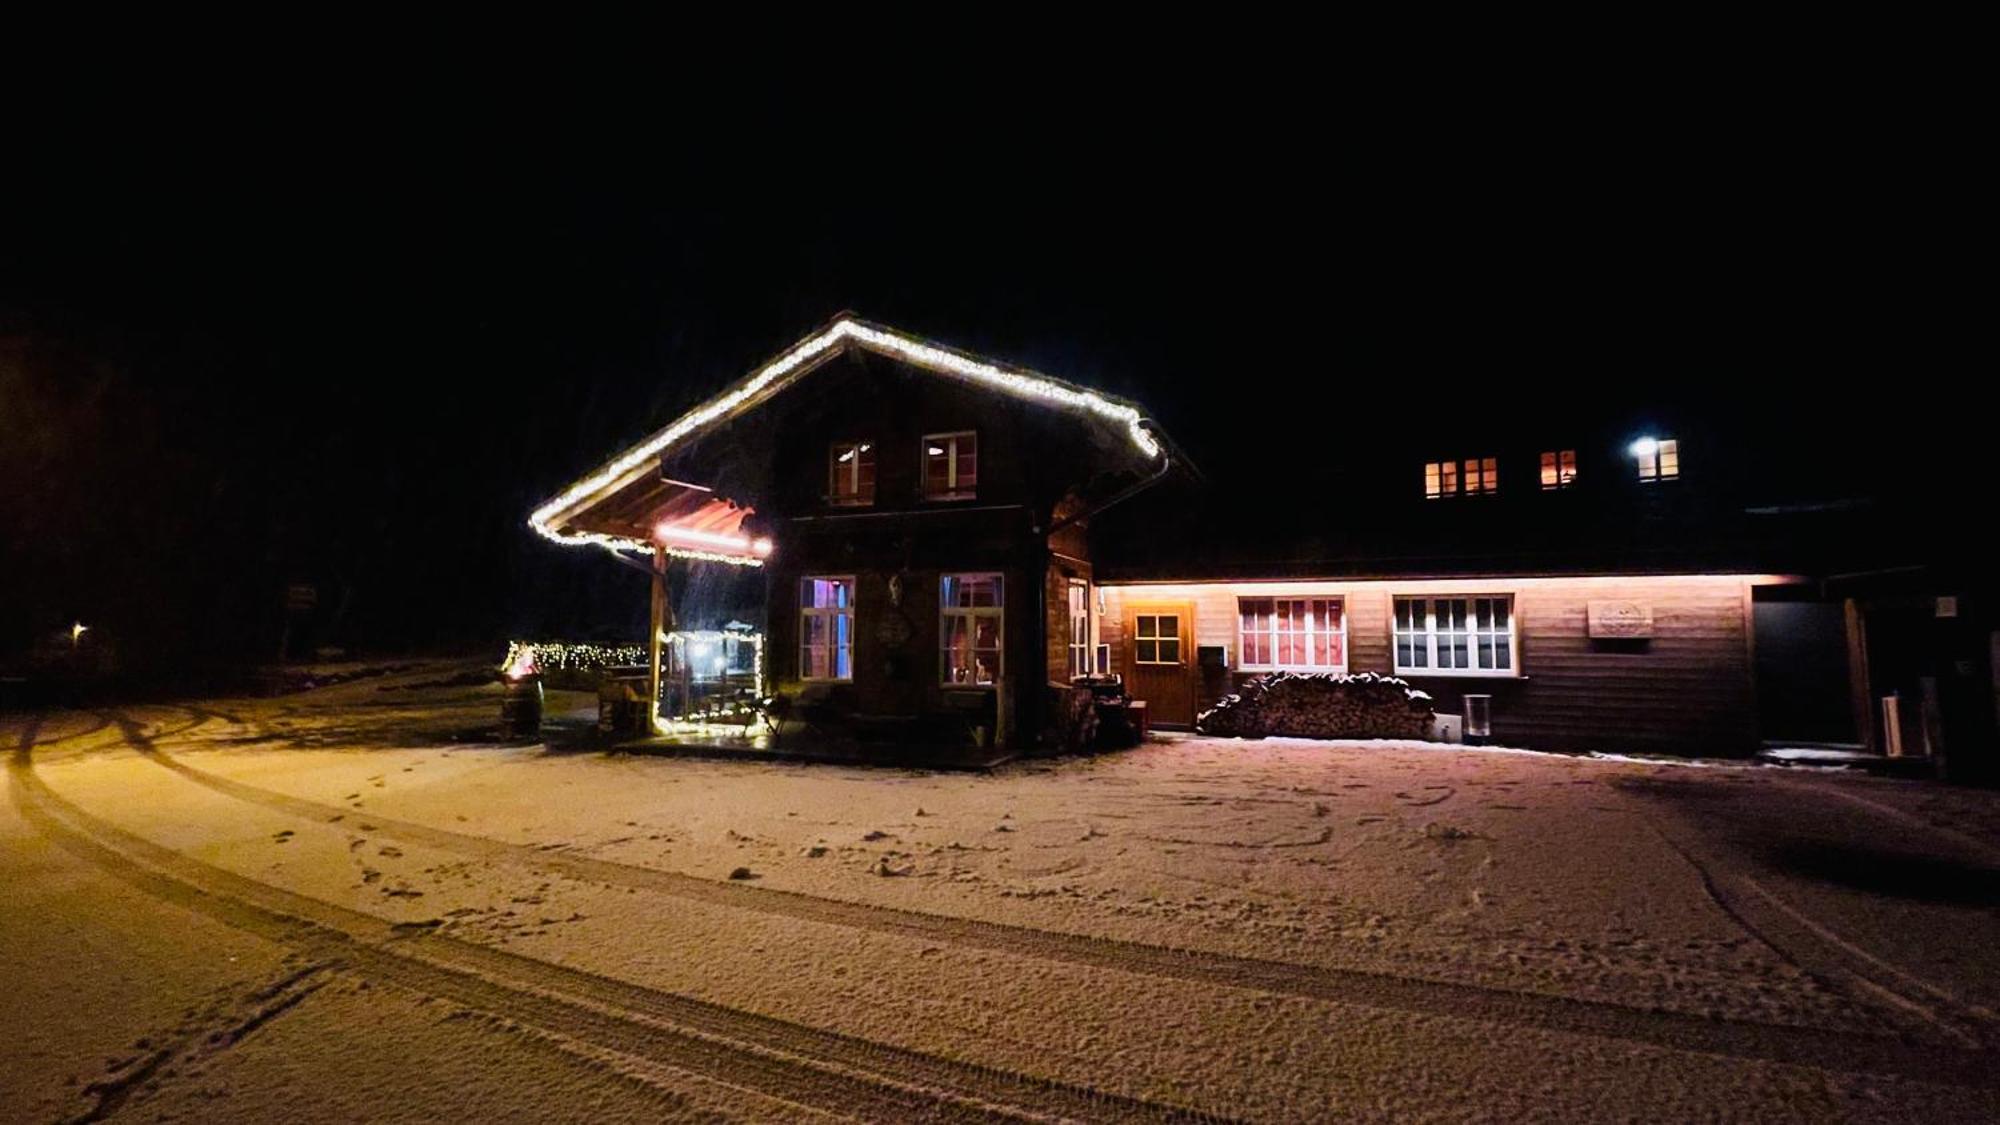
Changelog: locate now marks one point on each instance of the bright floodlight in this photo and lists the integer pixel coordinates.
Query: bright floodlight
(1645, 447)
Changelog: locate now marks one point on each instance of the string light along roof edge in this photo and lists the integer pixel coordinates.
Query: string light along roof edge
(793, 364)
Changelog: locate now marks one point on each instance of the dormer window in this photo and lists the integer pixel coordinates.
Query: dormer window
(851, 474)
(951, 466)
(1474, 476)
(1659, 458)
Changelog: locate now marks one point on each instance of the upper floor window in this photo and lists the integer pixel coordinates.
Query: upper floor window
(1659, 458)
(1471, 477)
(971, 623)
(1558, 469)
(951, 466)
(850, 468)
(826, 628)
(1455, 636)
(1298, 633)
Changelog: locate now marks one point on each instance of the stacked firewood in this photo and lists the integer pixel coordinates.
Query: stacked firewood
(1321, 705)
(1072, 715)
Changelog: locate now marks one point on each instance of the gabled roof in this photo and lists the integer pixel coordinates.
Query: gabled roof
(555, 519)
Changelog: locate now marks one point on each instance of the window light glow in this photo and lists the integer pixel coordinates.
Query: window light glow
(634, 463)
(1645, 447)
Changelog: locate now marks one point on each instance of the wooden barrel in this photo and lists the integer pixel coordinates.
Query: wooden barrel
(521, 706)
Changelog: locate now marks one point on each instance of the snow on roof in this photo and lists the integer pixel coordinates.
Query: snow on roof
(802, 357)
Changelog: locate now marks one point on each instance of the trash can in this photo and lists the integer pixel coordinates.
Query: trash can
(521, 705)
(1478, 719)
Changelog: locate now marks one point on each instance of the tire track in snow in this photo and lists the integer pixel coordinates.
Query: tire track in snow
(1813, 1047)
(776, 1058)
(1820, 952)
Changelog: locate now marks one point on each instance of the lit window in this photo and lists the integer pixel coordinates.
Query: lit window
(1455, 636)
(1471, 477)
(850, 469)
(1156, 638)
(1297, 633)
(826, 628)
(1659, 458)
(1558, 469)
(970, 625)
(1079, 628)
(951, 466)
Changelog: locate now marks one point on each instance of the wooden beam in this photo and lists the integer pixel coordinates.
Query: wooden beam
(658, 622)
(1857, 676)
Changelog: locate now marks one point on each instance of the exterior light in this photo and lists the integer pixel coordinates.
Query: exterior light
(669, 535)
(1645, 447)
(847, 456)
(76, 633)
(936, 451)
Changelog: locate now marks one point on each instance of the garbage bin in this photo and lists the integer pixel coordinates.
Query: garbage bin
(521, 705)
(1478, 719)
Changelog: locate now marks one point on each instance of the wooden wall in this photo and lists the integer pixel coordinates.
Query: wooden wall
(1688, 690)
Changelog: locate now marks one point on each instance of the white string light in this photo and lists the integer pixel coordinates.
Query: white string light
(775, 376)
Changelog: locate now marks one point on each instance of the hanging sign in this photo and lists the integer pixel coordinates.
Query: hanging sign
(1620, 620)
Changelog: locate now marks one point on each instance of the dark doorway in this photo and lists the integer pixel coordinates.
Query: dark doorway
(1804, 687)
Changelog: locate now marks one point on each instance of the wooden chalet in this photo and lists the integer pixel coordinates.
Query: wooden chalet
(922, 516)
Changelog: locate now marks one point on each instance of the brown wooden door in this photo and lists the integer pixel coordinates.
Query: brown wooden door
(1159, 659)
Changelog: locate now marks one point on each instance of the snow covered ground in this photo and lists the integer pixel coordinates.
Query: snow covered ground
(337, 906)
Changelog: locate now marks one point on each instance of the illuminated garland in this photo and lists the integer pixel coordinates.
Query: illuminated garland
(558, 656)
(775, 376)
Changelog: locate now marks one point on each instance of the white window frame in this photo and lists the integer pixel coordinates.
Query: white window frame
(1272, 634)
(1653, 466)
(950, 444)
(832, 628)
(1082, 630)
(972, 613)
(1430, 634)
(852, 467)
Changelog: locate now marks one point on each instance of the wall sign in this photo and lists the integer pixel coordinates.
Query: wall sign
(1620, 620)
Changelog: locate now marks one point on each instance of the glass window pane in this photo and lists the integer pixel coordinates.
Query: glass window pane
(1148, 651)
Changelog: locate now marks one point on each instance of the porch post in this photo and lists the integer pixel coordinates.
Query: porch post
(655, 637)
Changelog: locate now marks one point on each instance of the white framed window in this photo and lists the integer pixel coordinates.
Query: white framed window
(971, 628)
(1080, 652)
(1300, 634)
(1474, 476)
(826, 628)
(951, 466)
(1558, 469)
(1156, 638)
(1659, 458)
(850, 472)
(1457, 636)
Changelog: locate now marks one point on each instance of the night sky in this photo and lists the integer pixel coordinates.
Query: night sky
(361, 364)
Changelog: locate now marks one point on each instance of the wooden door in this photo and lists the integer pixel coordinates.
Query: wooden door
(1159, 659)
